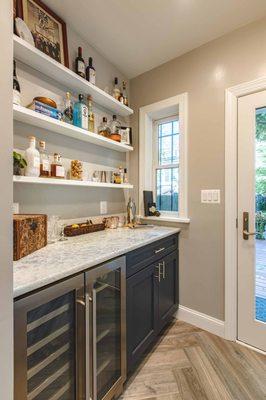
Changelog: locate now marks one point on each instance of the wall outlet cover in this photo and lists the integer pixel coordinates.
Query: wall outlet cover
(103, 207)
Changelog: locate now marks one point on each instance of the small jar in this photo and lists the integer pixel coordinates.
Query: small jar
(76, 171)
(104, 129)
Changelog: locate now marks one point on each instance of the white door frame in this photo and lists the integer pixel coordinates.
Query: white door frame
(231, 110)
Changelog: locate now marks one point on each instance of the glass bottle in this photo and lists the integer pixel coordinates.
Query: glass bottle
(68, 109)
(90, 72)
(44, 160)
(125, 176)
(116, 90)
(121, 173)
(123, 97)
(90, 115)
(57, 169)
(115, 130)
(16, 86)
(104, 129)
(80, 115)
(32, 156)
(80, 64)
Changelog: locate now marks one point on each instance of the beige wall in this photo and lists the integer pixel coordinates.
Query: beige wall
(6, 279)
(204, 73)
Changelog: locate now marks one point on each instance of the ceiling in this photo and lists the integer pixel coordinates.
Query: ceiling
(138, 35)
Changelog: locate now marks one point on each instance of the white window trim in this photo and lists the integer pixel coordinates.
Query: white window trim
(176, 105)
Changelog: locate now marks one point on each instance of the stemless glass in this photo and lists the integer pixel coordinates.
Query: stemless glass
(52, 229)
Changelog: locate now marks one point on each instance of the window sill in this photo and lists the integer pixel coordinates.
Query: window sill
(168, 219)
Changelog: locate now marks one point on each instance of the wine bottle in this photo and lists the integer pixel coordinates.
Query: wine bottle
(68, 109)
(90, 72)
(16, 86)
(80, 64)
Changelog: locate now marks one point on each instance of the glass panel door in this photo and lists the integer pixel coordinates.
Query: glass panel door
(107, 331)
(252, 219)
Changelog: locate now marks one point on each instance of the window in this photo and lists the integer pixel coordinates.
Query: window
(166, 164)
(163, 157)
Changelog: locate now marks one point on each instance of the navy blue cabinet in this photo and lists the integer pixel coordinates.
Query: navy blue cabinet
(152, 294)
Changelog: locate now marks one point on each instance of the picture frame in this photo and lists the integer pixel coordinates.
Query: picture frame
(126, 135)
(48, 29)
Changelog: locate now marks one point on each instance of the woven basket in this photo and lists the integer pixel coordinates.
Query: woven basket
(82, 230)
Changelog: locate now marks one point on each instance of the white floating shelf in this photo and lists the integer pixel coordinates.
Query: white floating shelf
(36, 59)
(27, 116)
(68, 182)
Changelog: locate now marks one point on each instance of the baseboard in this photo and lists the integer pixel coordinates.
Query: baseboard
(203, 321)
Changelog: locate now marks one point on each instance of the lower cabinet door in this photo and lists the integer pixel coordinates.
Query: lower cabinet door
(167, 288)
(49, 340)
(141, 313)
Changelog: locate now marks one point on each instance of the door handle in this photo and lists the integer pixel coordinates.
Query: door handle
(246, 233)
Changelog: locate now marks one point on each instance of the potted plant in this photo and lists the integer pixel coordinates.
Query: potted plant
(19, 163)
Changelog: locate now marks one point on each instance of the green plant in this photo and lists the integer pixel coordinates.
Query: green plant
(18, 160)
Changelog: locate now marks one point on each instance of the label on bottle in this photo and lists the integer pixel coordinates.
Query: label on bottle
(92, 76)
(45, 165)
(60, 171)
(84, 117)
(36, 162)
(16, 97)
(81, 68)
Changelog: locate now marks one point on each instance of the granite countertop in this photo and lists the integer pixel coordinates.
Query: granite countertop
(62, 259)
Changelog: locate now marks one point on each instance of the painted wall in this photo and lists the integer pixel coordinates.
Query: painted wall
(68, 202)
(6, 278)
(204, 73)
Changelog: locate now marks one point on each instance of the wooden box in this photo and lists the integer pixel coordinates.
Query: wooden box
(29, 234)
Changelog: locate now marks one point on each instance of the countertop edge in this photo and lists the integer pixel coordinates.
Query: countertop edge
(27, 289)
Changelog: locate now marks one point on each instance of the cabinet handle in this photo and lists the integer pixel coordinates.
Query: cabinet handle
(163, 269)
(159, 250)
(94, 343)
(159, 272)
(81, 302)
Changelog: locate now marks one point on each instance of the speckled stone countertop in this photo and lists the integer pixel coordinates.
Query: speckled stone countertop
(62, 259)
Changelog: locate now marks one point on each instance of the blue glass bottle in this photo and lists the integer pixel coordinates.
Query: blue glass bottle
(80, 114)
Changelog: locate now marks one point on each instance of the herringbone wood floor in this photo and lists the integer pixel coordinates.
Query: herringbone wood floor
(188, 363)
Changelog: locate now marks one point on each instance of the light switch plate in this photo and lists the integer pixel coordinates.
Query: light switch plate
(211, 196)
(103, 207)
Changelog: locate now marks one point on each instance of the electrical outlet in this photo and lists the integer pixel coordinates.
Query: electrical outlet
(103, 207)
(210, 196)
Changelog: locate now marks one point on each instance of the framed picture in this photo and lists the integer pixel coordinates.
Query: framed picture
(48, 30)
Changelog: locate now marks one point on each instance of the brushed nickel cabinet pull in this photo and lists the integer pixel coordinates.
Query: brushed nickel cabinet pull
(159, 250)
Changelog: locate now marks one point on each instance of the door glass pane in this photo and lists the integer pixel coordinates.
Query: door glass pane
(167, 189)
(260, 242)
(51, 350)
(107, 298)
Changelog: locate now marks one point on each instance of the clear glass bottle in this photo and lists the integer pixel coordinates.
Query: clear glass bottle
(91, 125)
(57, 169)
(121, 172)
(115, 129)
(32, 156)
(116, 90)
(80, 115)
(125, 176)
(104, 129)
(68, 109)
(44, 160)
(16, 86)
(123, 98)
(90, 72)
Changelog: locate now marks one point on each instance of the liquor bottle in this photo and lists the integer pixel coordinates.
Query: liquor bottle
(116, 90)
(80, 64)
(115, 130)
(104, 129)
(131, 211)
(57, 169)
(44, 160)
(68, 109)
(32, 156)
(16, 86)
(123, 97)
(90, 115)
(90, 72)
(80, 115)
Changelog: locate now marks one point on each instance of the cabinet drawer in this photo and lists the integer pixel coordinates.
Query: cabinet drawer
(140, 258)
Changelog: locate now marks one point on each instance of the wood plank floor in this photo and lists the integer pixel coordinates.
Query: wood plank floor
(188, 363)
